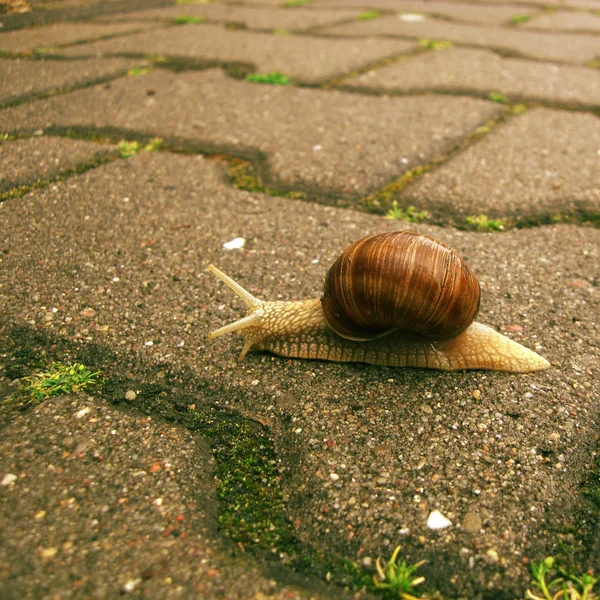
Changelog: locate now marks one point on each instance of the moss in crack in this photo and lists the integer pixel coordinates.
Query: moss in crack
(243, 176)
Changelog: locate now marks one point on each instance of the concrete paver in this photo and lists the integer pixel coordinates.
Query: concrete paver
(400, 442)
(27, 160)
(58, 34)
(310, 60)
(157, 486)
(344, 144)
(561, 20)
(461, 11)
(463, 70)
(560, 47)
(21, 78)
(251, 17)
(553, 168)
(589, 4)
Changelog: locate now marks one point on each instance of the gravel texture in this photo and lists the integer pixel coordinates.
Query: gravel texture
(28, 160)
(554, 168)
(459, 11)
(253, 18)
(344, 143)
(366, 453)
(108, 503)
(462, 70)
(310, 60)
(21, 78)
(60, 34)
(560, 47)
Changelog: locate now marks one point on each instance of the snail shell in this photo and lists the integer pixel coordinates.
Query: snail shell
(400, 281)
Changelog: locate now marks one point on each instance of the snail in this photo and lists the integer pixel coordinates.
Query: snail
(397, 299)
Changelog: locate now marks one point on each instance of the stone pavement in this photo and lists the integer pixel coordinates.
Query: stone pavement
(133, 147)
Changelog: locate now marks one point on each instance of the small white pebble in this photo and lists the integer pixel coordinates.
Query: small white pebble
(81, 413)
(437, 520)
(131, 585)
(317, 147)
(125, 199)
(8, 479)
(150, 343)
(130, 395)
(334, 476)
(411, 18)
(235, 244)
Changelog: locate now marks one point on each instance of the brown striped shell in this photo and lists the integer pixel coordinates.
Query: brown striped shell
(400, 280)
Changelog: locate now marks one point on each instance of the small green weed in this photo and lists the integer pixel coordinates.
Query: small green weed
(368, 15)
(410, 213)
(563, 586)
(292, 3)
(520, 19)
(184, 19)
(136, 71)
(127, 149)
(275, 78)
(282, 32)
(398, 577)
(59, 379)
(435, 44)
(496, 97)
(484, 223)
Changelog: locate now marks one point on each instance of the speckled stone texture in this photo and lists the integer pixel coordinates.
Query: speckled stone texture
(560, 47)
(253, 18)
(22, 78)
(564, 21)
(108, 503)
(462, 70)
(555, 167)
(313, 62)
(342, 144)
(366, 452)
(459, 11)
(59, 34)
(26, 161)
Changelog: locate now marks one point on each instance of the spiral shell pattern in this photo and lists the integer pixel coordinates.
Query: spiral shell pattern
(400, 281)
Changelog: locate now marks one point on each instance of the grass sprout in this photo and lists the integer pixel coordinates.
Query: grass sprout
(561, 585)
(275, 78)
(398, 576)
(484, 223)
(410, 213)
(60, 379)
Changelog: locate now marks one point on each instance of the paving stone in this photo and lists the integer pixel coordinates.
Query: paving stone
(494, 14)
(26, 161)
(107, 503)
(590, 4)
(343, 144)
(560, 47)
(21, 78)
(555, 167)
(402, 442)
(482, 71)
(562, 20)
(253, 18)
(310, 60)
(59, 34)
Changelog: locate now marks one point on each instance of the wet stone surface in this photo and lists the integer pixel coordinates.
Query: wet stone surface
(315, 62)
(26, 161)
(462, 70)
(367, 453)
(344, 144)
(554, 168)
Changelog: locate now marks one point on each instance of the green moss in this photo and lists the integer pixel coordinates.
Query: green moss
(484, 223)
(435, 44)
(131, 148)
(496, 97)
(293, 3)
(185, 19)
(282, 32)
(410, 213)
(520, 19)
(137, 71)
(274, 78)
(60, 378)
(368, 15)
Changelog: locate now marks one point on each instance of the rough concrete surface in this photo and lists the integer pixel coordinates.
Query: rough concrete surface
(560, 47)
(252, 18)
(565, 21)
(344, 143)
(460, 11)
(26, 161)
(189, 473)
(25, 78)
(308, 60)
(460, 70)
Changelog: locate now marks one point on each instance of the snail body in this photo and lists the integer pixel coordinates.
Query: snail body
(436, 331)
